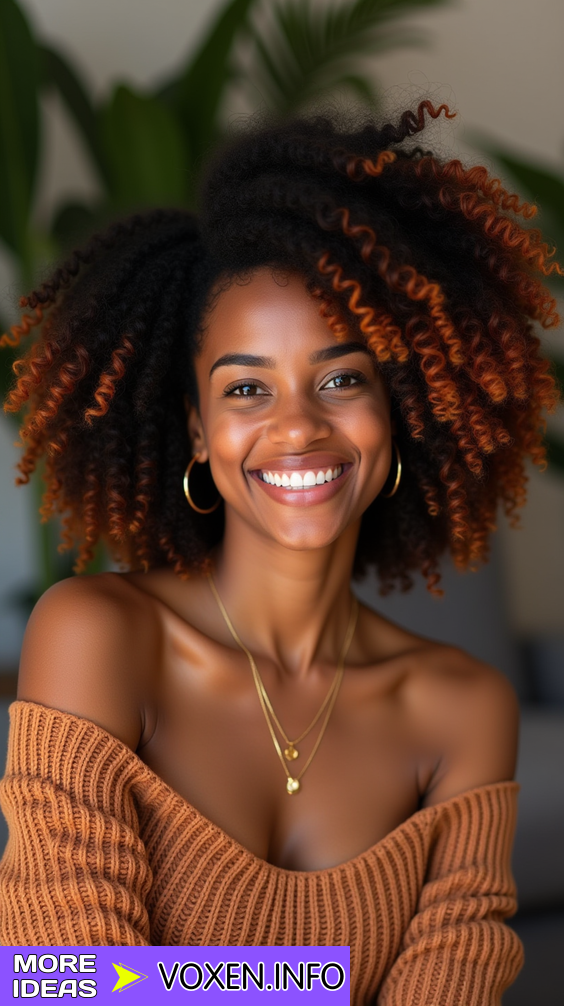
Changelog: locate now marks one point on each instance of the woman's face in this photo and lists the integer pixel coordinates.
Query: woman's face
(281, 401)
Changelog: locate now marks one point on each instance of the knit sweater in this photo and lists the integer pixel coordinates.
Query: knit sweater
(101, 852)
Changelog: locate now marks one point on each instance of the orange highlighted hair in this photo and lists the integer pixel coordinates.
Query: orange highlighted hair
(431, 263)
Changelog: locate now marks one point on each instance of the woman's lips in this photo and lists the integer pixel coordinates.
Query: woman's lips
(308, 495)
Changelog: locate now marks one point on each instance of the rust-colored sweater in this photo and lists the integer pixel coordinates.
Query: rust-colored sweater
(102, 852)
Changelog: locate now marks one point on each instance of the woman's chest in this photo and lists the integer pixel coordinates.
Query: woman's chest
(359, 768)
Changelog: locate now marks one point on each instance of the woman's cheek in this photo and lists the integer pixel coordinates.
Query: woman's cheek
(230, 443)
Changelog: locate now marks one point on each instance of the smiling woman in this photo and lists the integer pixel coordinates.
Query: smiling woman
(291, 411)
(333, 366)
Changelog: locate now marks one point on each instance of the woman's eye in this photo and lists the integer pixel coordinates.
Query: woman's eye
(245, 390)
(343, 381)
(248, 389)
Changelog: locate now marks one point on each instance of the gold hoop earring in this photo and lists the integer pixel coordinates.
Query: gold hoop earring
(398, 473)
(187, 489)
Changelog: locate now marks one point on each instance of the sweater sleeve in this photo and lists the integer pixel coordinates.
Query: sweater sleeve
(74, 872)
(457, 951)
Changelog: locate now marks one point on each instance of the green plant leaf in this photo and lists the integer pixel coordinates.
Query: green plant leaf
(558, 373)
(544, 187)
(196, 94)
(555, 452)
(555, 443)
(58, 73)
(305, 49)
(73, 224)
(19, 130)
(145, 151)
(7, 356)
(536, 182)
(364, 89)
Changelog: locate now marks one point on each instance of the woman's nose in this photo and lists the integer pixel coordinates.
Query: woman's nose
(298, 421)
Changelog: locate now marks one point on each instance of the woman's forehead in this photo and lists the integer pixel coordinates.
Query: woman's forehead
(268, 312)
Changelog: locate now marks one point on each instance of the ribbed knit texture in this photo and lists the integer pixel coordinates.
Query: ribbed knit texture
(102, 852)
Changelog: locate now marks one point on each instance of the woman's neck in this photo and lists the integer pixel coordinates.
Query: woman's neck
(291, 606)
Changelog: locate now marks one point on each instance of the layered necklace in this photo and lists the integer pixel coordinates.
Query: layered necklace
(291, 751)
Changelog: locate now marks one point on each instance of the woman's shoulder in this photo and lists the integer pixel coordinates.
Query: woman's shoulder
(468, 711)
(89, 647)
(461, 709)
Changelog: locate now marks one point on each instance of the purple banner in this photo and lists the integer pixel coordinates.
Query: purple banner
(175, 974)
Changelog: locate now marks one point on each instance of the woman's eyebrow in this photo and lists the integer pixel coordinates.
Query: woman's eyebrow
(320, 356)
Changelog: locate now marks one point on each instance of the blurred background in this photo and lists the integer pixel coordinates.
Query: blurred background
(111, 106)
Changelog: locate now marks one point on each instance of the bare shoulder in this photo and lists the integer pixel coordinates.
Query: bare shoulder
(467, 711)
(88, 648)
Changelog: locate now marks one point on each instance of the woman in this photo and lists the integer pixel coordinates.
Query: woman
(332, 367)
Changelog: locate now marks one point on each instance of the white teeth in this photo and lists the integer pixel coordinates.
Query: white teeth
(297, 480)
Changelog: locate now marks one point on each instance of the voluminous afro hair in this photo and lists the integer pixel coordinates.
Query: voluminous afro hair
(425, 260)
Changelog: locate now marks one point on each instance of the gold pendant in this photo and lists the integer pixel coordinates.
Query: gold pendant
(290, 753)
(292, 786)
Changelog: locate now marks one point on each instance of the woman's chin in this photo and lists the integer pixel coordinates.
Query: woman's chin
(304, 535)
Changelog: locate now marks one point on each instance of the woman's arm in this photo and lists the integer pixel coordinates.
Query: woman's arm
(75, 871)
(457, 951)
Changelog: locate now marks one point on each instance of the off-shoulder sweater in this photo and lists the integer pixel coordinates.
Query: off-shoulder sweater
(101, 852)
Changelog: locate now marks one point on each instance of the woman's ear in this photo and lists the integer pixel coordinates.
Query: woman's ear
(195, 430)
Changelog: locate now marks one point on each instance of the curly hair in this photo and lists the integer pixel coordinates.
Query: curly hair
(424, 259)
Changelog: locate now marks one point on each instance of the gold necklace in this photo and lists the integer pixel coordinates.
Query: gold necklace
(293, 784)
(291, 752)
